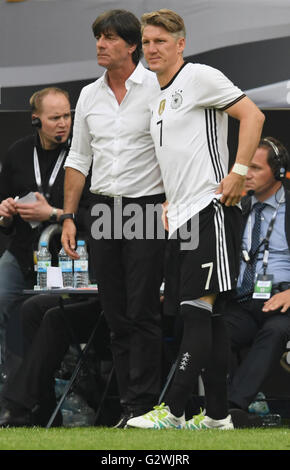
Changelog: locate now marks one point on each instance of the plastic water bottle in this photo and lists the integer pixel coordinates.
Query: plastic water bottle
(271, 419)
(43, 261)
(260, 405)
(66, 265)
(76, 412)
(81, 266)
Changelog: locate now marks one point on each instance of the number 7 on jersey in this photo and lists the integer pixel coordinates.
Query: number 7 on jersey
(210, 266)
(161, 131)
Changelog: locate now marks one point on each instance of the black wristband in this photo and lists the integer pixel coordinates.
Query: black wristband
(66, 216)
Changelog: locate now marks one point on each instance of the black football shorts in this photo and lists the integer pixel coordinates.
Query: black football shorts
(209, 263)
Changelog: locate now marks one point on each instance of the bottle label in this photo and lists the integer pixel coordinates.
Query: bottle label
(35, 260)
(42, 266)
(81, 265)
(66, 266)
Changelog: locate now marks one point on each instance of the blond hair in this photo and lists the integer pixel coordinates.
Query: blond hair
(37, 97)
(168, 19)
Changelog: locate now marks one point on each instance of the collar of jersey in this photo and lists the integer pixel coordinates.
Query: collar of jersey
(174, 77)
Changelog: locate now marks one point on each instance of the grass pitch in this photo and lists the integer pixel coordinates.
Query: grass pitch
(96, 438)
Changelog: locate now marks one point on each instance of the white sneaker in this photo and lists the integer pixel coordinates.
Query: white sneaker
(159, 418)
(202, 421)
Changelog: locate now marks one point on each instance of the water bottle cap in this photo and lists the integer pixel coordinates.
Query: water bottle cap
(43, 243)
(80, 243)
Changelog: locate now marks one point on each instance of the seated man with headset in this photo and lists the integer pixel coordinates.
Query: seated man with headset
(32, 164)
(258, 316)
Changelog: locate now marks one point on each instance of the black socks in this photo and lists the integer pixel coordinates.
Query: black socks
(203, 351)
(193, 356)
(215, 375)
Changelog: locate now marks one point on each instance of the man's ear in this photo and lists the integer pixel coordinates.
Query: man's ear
(181, 45)
(132, 48)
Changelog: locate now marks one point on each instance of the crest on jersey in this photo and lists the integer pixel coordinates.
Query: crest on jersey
(177, 99)
(161, 107)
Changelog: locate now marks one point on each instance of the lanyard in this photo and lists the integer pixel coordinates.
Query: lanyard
(53, 174)
(248, 256)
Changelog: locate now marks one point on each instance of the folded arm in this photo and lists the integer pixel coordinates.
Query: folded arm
(251, 124)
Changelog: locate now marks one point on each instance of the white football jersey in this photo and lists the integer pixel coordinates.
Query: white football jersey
(189, 128)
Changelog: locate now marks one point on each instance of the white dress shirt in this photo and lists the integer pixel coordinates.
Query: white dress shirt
(116, 138)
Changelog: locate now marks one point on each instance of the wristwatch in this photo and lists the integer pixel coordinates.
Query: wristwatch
(53, 215)
(66, 216)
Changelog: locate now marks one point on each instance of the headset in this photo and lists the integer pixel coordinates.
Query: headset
(36, 122)
(280, 172)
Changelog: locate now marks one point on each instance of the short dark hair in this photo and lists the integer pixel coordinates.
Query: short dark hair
(278, 155)
(123, 23)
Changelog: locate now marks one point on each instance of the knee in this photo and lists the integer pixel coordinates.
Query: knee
(10, 302)
(27, 307)
(11, 277)
(53, 318)
(191, 310)
(30, 313)
(274, 332)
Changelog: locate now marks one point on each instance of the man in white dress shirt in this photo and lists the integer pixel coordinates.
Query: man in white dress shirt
(111, 132)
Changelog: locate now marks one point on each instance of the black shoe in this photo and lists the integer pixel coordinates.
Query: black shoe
(121, 424)
(14, 416)
(41, 417)
(129, 413)
(242, 419)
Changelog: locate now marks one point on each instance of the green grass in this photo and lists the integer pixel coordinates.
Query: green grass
(132, 439)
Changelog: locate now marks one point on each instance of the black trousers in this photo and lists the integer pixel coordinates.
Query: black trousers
(47, 332)
(265, 335)
(129, 273)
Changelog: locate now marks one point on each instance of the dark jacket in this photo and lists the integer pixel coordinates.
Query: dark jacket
(17, 178)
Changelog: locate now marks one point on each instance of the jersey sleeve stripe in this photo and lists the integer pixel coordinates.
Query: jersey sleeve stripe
(215, 141)
(210, 119)
(232, 102)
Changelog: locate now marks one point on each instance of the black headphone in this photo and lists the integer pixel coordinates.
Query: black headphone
(36, 122)
(280, 172)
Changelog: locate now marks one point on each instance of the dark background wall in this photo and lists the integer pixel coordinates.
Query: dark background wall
(16, 124)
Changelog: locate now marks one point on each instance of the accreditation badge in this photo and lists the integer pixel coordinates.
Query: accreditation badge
(263, 286)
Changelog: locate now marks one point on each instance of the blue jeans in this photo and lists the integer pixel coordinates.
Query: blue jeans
(12, 282)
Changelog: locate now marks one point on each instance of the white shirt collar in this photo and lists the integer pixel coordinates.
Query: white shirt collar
(136, 77)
